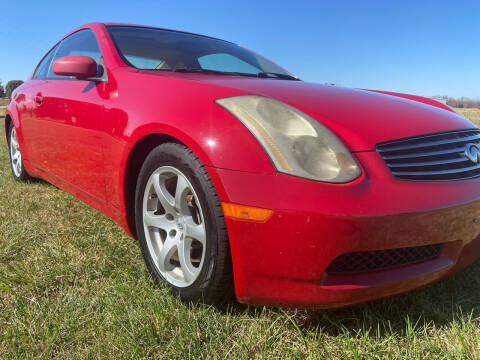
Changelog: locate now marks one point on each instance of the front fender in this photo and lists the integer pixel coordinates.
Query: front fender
(216, 137)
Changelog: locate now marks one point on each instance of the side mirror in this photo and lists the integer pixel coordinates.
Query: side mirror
(82, 67)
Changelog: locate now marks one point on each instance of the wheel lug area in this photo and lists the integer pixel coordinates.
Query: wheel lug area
(172, 233)
(180, 226)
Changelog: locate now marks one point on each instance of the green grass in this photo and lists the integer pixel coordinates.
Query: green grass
(74, 286)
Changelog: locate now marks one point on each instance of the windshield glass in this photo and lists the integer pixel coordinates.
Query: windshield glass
(156, 49)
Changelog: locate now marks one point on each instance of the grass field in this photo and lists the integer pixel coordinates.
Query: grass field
(471, 114)
(74, 286)
(3, 102)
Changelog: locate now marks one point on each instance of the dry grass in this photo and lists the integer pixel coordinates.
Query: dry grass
(472, 114)
(3, 102)
(74, 286)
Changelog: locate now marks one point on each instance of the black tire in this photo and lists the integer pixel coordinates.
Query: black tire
(214, 284)
(22, 175)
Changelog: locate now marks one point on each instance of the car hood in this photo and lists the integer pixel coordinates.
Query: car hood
(360, 118)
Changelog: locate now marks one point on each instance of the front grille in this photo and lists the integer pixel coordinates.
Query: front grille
(364, 261)
(431, 157)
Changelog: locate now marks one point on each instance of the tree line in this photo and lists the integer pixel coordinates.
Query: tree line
(462, 102)
(8, 89)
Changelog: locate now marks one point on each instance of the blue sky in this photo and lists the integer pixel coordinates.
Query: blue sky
(422, 47)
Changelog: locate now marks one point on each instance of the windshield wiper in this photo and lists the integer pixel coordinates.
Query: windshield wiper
(266, 75)
(274, 75)
(217, 72)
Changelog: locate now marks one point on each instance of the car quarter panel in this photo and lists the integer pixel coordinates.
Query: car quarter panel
(21, 110)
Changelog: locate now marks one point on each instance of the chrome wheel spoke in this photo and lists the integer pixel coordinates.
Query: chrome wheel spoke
(168, 249)
(195, 231)
(14, 142)
(188, 270)
(167, 201)
(180, 194)
(157, 221)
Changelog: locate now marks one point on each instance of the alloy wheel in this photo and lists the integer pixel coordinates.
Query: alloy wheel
(15, 154)
(174, 226)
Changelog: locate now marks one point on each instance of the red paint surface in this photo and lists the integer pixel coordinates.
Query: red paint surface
(79, 66)
(79, 135)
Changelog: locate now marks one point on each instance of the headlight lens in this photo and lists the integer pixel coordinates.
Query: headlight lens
(297, 144)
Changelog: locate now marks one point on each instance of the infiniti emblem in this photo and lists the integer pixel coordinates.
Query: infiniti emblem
(472, 152)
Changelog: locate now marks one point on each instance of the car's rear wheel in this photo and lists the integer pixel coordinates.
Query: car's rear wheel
(180, 226)
(16, 161)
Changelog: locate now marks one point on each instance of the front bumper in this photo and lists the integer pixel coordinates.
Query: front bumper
(283, 261)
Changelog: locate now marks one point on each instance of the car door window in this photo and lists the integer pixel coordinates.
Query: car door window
(45, 64)
(82, 42)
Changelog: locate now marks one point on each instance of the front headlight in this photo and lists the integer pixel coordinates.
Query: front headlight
(297, 144)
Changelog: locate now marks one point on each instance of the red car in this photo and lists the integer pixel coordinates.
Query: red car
(237, 177)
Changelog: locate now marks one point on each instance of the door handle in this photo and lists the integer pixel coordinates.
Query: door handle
(38, 98)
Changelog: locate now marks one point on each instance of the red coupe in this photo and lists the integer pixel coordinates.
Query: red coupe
(238, 178)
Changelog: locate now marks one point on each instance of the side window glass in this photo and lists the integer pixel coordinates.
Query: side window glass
(43, 67)
(83, 43)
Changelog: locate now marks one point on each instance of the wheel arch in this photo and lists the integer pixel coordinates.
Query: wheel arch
(136, 158)
(12, 117)
(8, 121)
(228, 145)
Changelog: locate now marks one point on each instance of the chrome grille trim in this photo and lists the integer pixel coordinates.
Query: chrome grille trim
(429, 163)
(435, 143)
(422, 154)
(440, 172)
(432, 157)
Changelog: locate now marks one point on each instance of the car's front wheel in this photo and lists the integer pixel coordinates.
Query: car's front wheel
(180, 226)
(16, 161)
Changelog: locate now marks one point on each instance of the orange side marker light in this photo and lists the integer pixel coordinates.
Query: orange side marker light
(244, 212)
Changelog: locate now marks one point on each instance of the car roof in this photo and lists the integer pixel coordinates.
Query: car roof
(94, 24)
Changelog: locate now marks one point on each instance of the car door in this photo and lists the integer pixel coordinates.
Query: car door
(69, 117)
(29, 112)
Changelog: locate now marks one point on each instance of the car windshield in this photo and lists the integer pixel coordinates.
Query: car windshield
(166, 50)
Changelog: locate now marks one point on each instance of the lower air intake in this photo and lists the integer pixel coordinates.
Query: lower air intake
(365, 261)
